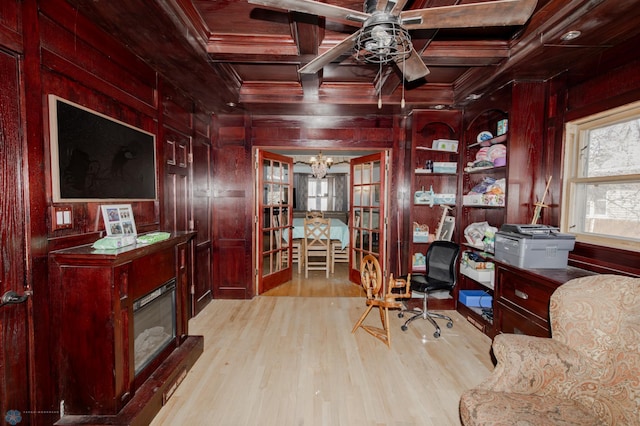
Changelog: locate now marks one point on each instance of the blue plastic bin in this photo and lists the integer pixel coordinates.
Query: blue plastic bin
(475, 298)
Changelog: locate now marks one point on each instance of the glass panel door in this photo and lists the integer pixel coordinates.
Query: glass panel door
(368, 175)
(274, 215)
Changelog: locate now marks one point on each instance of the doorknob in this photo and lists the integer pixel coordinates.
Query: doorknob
(12, 298)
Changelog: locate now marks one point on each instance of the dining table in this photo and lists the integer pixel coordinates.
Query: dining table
(339, 230)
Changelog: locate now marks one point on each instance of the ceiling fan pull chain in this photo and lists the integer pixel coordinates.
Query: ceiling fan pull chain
(404, 61)
(380, 87)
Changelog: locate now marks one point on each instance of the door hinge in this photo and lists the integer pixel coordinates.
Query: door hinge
(190, 157)
(191, 225)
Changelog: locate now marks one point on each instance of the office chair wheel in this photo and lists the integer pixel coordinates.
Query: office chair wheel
(436, 334)
(450, 324)
(400, 315)
(404, 327)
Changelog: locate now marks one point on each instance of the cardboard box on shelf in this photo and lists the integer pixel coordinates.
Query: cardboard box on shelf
(445, 145)
(483, 276)
(445, 167)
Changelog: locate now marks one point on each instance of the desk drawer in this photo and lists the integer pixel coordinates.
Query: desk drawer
(510, 321)
(529, 294)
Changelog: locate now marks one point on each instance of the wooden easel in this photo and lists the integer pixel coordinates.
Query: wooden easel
(445, 210)
(540, 204)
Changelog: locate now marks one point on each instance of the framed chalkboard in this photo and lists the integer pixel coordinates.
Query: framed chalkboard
(98, 158)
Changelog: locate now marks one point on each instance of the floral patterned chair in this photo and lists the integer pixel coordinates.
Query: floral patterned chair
(588, 373)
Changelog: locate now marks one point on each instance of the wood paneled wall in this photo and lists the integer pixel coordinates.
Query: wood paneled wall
(58, 51)
(232, 209)
(67, 55)
(236, 136)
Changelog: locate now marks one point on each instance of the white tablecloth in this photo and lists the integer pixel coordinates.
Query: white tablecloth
(339, 230)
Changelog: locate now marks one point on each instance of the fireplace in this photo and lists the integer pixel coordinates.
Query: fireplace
(137, 349)
(154, 323)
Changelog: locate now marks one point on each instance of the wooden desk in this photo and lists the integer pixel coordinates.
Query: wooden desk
(521, 299)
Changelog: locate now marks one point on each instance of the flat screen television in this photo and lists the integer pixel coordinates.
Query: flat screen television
(98, 158)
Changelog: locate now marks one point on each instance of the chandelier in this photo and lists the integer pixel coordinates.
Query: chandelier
(320, 165)
(383, 40)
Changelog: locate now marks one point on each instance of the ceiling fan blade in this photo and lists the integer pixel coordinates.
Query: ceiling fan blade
(397, 8)
(330, 55)
(381, 5)
(413, 67)
(331, 12)
(488, 14)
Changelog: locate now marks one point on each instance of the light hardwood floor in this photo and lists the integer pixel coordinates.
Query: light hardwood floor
(294, 361)
(317, 285)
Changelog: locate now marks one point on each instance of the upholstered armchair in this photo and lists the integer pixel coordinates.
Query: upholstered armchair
(588, 373)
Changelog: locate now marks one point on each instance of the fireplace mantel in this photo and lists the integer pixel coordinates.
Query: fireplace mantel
(93, 292)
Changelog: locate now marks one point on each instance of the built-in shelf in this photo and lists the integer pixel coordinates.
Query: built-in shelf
(473, 170)
(489, 142)
(424, 148)
(430, 173)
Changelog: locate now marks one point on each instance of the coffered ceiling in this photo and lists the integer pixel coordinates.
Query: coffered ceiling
(238, 57)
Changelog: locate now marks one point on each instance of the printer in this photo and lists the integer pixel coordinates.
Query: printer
(533, 246)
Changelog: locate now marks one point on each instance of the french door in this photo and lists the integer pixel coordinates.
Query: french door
(274, 216)
(367, 216)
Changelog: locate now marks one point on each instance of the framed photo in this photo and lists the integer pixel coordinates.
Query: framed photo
(118, 220)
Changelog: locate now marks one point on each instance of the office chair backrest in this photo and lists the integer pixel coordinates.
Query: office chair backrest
(441, 260)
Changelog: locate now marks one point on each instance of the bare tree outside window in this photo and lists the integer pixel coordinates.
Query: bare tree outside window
(602, 176)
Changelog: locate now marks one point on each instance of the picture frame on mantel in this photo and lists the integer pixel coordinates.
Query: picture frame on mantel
(118, 220)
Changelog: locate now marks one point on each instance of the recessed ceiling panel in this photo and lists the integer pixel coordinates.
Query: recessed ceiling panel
(266, 72)
(240, 17)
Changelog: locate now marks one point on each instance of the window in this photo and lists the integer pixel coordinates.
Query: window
(601, 202)
(321, 194)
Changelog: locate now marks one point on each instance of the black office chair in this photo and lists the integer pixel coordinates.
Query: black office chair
(441, 260)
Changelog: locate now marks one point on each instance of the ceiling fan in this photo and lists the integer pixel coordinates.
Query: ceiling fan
(384, 33)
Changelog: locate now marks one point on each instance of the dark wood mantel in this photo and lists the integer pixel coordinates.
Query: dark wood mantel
(92, 305)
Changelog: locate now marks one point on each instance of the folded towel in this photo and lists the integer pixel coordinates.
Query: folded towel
(152, 237)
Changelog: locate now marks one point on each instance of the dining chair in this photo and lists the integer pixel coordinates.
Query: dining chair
(314, 213)
(296, 253)
(279, 243)
(296, 245)
(339, 254)
(317, 245)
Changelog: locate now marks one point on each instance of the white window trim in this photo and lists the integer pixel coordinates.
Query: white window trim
(573, 130)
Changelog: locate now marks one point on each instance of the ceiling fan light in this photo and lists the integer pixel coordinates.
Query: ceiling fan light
(381, 36)
(382, 40)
